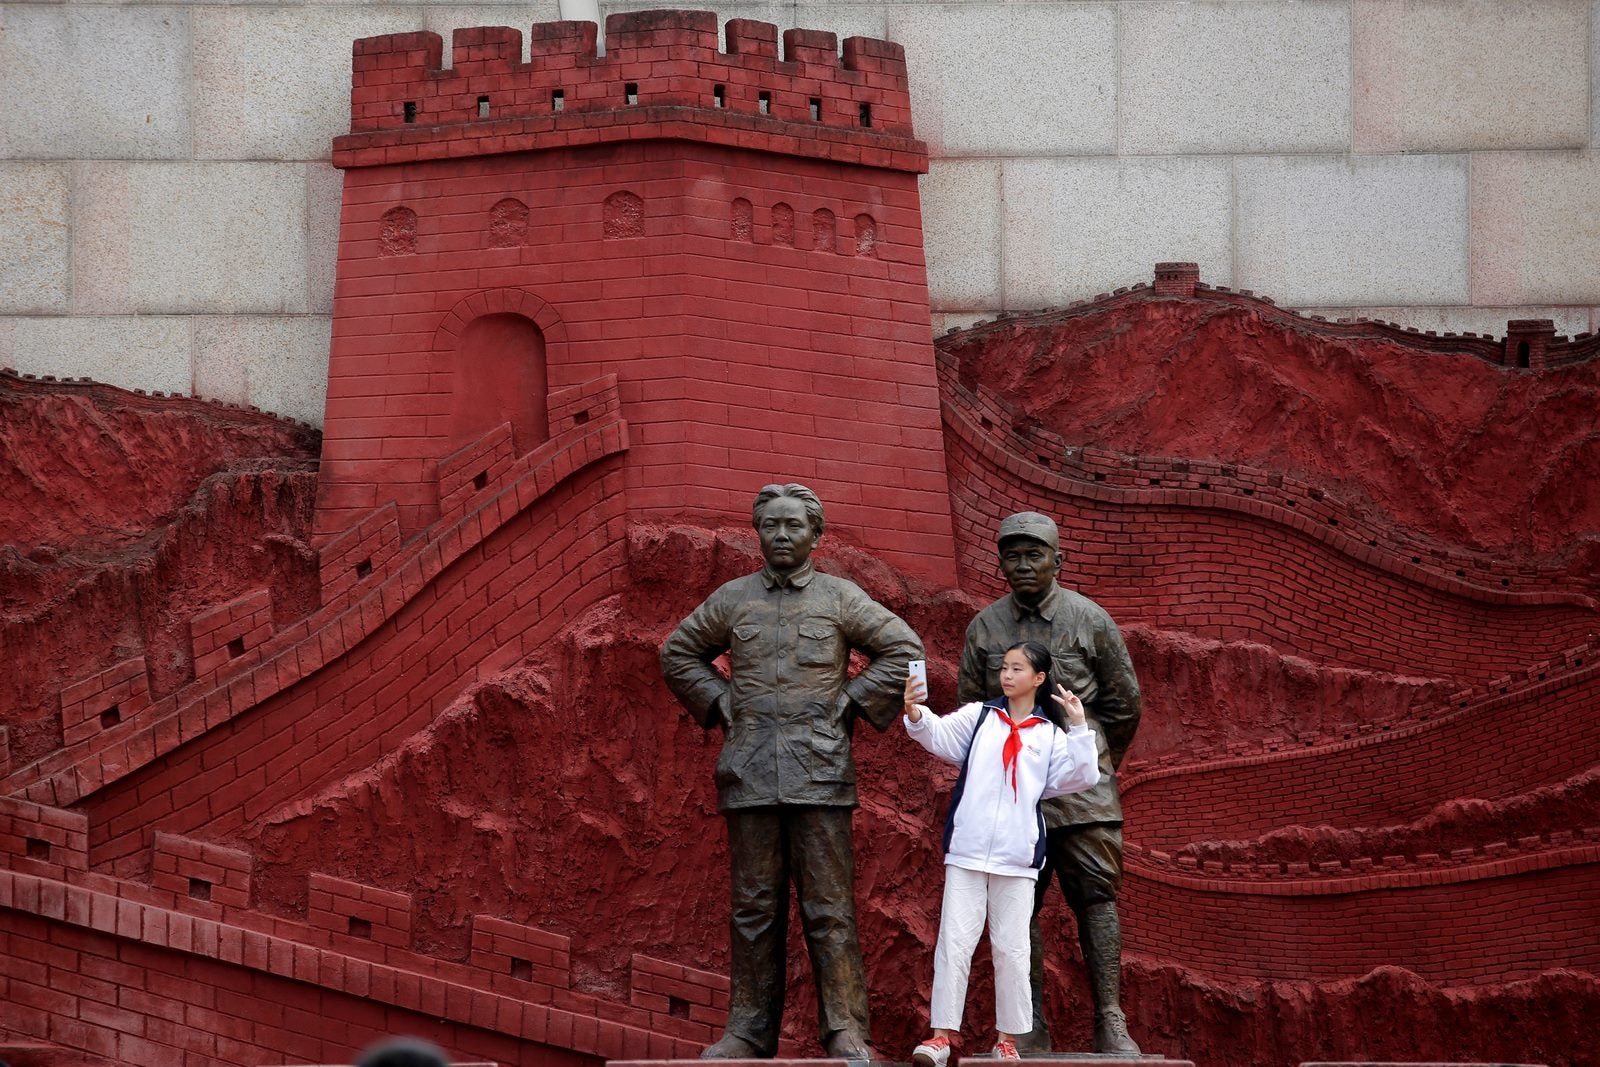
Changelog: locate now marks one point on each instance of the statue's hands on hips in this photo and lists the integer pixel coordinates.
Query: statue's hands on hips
(843, 709)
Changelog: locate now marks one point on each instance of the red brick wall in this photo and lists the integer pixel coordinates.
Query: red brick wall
(103, 700)
(201, 871)
(303, 649)
(747, 350)
(1455, 931)
(112, 967)
(1542, 733)
(140, 1005)
(229, 630)
(480, 614)
(1222, 564)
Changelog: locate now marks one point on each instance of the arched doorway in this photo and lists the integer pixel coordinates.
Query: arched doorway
(500, 376)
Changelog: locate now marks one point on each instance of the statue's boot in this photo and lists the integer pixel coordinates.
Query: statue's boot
(844, 1045)
(732, 1047)
(1101, 936)
(1037, 1040)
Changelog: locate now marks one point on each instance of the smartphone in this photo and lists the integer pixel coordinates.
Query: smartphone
(919, 670)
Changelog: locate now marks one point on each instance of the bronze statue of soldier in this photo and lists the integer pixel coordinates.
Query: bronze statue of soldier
(1083, 831)
(786, 781)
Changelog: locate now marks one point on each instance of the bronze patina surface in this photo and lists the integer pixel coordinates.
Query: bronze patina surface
(786, 780)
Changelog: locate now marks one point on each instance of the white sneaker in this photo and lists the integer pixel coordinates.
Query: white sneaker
(1006, 1049)
(934, 1052)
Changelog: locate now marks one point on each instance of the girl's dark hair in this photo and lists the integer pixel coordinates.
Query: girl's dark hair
(1039, 658)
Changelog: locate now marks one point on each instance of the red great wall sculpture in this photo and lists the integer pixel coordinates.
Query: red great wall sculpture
(308, 742)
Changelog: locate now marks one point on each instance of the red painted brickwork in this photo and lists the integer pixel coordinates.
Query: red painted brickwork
(765, 311)
(658, 64)
(147, 919)
(1182, 279)
(40, 840)
(229, 630)
(301, 650)
(350, 909)
(526, 954)
(576, 405)
(1480, 932)
(360, 552)
(104, 700)
(1544, 731)
(1233, 567)
(137, 998)
(481, 613)
(201, 870)
(671, 992)
(742, 280)
(473, 468)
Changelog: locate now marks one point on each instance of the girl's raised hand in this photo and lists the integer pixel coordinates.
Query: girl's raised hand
(916, 693)
(1070, 704)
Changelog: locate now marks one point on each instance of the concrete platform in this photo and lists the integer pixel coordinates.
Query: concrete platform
(1054, 1059)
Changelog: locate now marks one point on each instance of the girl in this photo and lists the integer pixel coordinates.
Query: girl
(1013, 753)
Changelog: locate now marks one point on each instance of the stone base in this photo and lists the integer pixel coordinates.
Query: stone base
(781, 1061)
(1049, 1059)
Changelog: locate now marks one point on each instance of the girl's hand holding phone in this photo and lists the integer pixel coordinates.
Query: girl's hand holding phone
(916, 693)
(1070, 704)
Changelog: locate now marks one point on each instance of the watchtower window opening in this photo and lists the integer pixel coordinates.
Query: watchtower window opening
(483, 107)
(360, 927)
(38, 848)
(480, 481)
(1522, 354)
(719, 96)
(199, 889)
(411, 110)
(111, 716)
(558, 100)
(631, 91)
(764, 103)
(816, 110)
(364, 568)
(866, 116)
(236, 648)
(521, 970)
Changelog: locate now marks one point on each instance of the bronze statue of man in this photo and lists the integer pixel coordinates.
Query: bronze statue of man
(1083, 831)
(786, 782)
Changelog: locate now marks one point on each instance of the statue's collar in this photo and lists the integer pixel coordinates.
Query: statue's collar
(1046, 608)
(799, 578)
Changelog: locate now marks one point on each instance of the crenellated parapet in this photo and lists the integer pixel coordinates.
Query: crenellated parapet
(148, 400)
(194, 917)
(663, 74)
(1527, 344)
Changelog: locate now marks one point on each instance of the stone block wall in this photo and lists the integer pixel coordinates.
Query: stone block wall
(169, 214)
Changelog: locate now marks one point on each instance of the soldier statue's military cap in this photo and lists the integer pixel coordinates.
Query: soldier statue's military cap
(1030, 524)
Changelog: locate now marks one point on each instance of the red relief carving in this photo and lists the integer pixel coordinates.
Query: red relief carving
(624, 216)
(399, 235)
(508, 223)
(422, 768)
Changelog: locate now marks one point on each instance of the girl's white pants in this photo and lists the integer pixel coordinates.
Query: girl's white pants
(970, 897)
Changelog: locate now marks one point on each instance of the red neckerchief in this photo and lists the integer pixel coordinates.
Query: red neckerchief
(1013, 745)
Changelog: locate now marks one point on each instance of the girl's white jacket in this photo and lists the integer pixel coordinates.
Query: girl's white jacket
(988, 828)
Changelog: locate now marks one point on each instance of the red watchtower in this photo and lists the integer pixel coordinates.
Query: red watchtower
(736, 236)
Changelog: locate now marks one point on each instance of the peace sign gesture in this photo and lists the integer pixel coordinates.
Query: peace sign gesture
(1070, 704)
